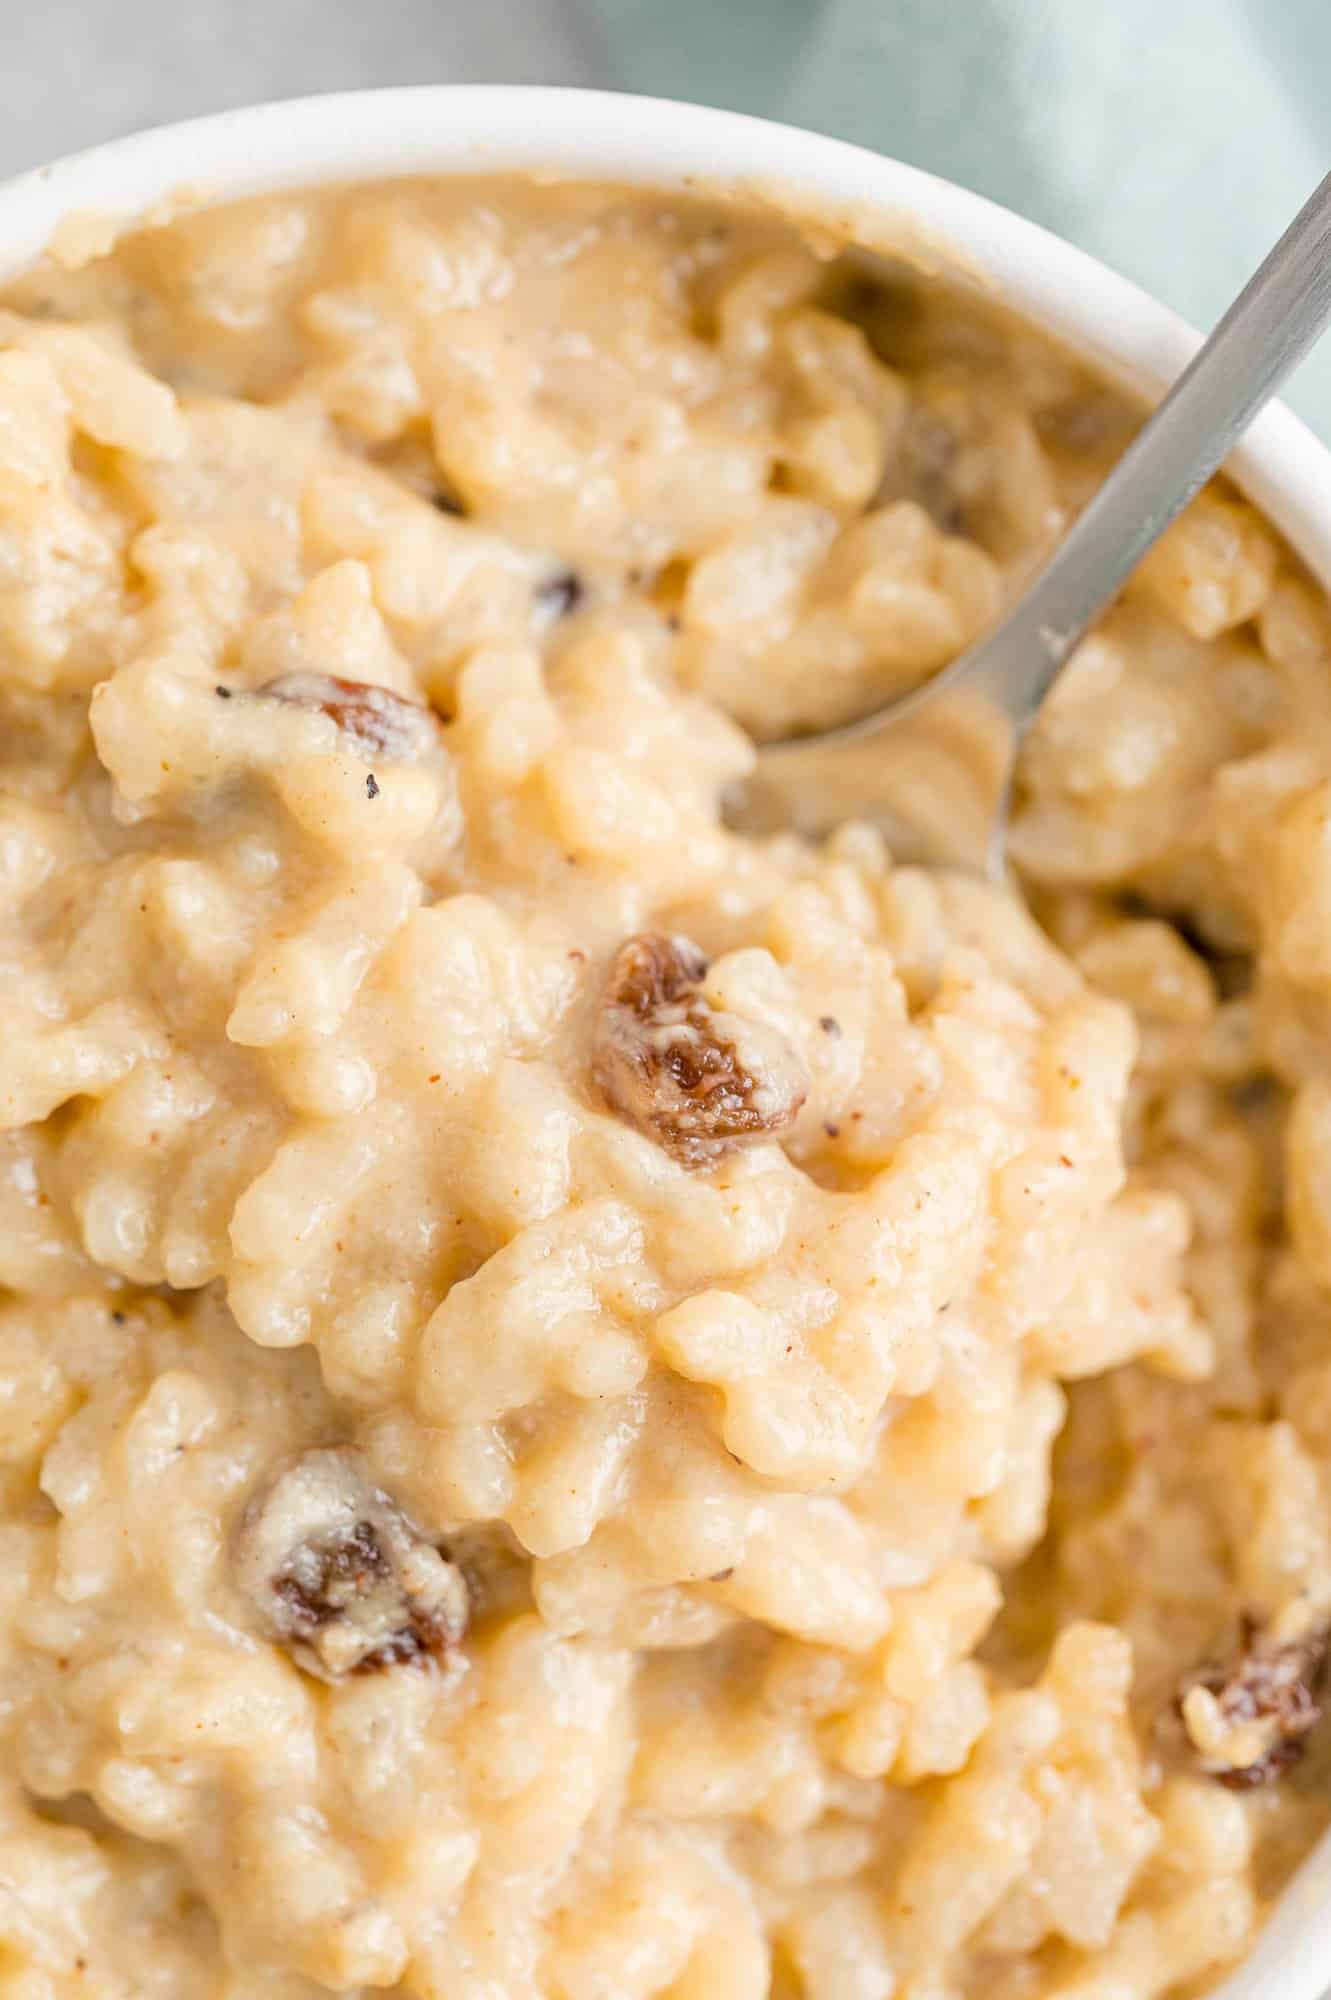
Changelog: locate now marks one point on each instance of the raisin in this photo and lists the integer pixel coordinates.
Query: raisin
(1269, 1694)
(1086, 421)
(884, 302)
(446, 501)
(374, 721)
(696, 1080)
(560, 595)
(930, 451)
(338, 1575)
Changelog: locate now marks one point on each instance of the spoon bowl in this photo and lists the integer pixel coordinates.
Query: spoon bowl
(933, 772)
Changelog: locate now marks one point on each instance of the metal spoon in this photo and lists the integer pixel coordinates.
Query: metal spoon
(935, 769)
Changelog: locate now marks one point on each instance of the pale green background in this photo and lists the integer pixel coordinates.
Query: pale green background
(1173, 137)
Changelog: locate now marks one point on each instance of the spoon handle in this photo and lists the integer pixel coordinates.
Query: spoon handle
(1278, 316)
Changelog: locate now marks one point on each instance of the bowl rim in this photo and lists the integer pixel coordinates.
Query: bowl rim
(563, 132)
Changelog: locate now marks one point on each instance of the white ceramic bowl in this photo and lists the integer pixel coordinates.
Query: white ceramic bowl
(489, 129)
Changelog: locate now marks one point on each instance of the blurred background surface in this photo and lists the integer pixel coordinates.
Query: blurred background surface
(1174, 138)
